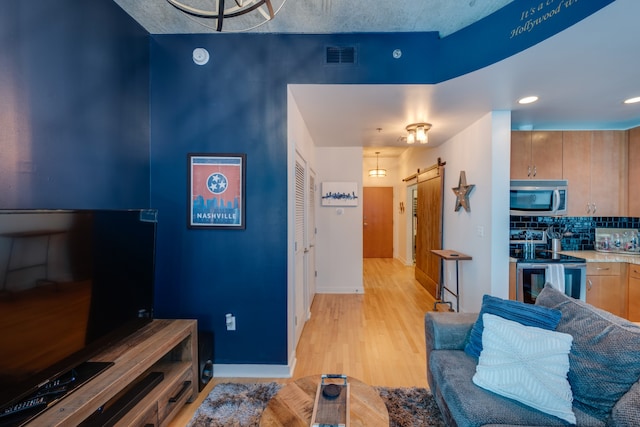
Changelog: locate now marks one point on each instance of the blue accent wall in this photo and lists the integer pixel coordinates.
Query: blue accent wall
(237, 103)
(74, 93)
(95, 113)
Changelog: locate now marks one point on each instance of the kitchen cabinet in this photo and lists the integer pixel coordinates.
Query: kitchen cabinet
(536, 154)
(595, 165)
(633, 293)
(607, 286)
(634, 172)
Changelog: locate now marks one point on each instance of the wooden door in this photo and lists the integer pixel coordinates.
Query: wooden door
(377, 222)
(429, 228)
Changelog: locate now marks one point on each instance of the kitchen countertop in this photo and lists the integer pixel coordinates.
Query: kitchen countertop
(595, 256)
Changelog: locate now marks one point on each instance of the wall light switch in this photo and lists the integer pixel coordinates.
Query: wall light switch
(231, 322)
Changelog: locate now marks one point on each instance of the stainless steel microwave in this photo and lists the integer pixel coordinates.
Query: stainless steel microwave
(544, 197)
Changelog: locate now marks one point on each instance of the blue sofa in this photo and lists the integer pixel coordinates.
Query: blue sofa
(464, 404)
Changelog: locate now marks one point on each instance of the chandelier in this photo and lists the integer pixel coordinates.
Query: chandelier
(418, 132)
(377, 172)
(249, 14)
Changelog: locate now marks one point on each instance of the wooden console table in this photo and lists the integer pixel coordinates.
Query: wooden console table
(293, 405)
(169, 347)
(449, 255)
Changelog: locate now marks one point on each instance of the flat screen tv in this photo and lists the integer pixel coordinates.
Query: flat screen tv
(71, 282)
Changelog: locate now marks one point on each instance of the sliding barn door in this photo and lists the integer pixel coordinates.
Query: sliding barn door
(429, 227)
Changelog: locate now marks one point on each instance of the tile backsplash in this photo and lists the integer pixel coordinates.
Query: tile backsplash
(582, 229)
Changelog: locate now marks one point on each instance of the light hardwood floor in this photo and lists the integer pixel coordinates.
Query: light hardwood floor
(376, 337)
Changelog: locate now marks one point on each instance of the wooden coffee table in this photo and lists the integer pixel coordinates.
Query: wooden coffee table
(293, 405)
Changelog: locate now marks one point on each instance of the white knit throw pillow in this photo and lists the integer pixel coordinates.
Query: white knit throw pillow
(527, 364)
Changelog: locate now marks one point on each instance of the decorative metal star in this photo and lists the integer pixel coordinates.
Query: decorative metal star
(462, 192)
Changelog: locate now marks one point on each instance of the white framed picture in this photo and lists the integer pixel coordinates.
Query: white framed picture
(339, 194)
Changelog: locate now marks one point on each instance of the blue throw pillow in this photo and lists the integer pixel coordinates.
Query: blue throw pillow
(525, 314)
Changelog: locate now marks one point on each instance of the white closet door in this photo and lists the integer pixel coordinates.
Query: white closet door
(300, 247)
(311, 234)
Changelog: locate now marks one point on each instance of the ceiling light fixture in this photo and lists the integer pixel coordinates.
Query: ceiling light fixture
(632, 100)
(418, 132)
(377, 172)
(266, 10)
(528, 100)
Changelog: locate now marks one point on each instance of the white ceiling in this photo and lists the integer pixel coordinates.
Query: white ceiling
(581, 75)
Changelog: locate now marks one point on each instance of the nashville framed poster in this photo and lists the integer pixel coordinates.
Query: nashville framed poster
(216, 191)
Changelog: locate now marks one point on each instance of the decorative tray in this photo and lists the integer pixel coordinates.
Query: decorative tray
(331, 408)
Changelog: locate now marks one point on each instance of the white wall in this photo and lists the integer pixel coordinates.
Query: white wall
(339, 238)
(483, 152)
(500, 182)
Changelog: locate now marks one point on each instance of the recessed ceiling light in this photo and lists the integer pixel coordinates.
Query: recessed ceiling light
(527, 100)
(632, 100)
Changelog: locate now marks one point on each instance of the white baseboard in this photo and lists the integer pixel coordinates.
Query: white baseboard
(221, 370)
(252, 371)
(405, 261)
(340, 290)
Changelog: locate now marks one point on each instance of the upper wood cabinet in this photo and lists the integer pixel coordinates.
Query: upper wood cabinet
(634, 172)
(595, 164)
(576, 168)
(536, 155)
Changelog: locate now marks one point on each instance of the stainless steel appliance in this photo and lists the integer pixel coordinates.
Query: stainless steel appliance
(532, 274)
(538, 197)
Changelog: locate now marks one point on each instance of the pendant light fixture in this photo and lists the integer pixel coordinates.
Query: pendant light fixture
(417, 132)
(377, 172)
(247, 14)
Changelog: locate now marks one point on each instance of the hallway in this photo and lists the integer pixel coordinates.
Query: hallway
(377, 337)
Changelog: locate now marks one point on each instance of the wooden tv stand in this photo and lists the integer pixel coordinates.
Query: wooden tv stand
(166, 346)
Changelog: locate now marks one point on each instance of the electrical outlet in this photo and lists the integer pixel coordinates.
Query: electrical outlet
(230, 321)
(480, 231)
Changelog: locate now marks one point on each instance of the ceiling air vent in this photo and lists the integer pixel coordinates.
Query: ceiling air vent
(340, 55)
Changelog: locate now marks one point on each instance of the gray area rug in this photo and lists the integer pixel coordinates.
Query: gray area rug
(241, 405)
